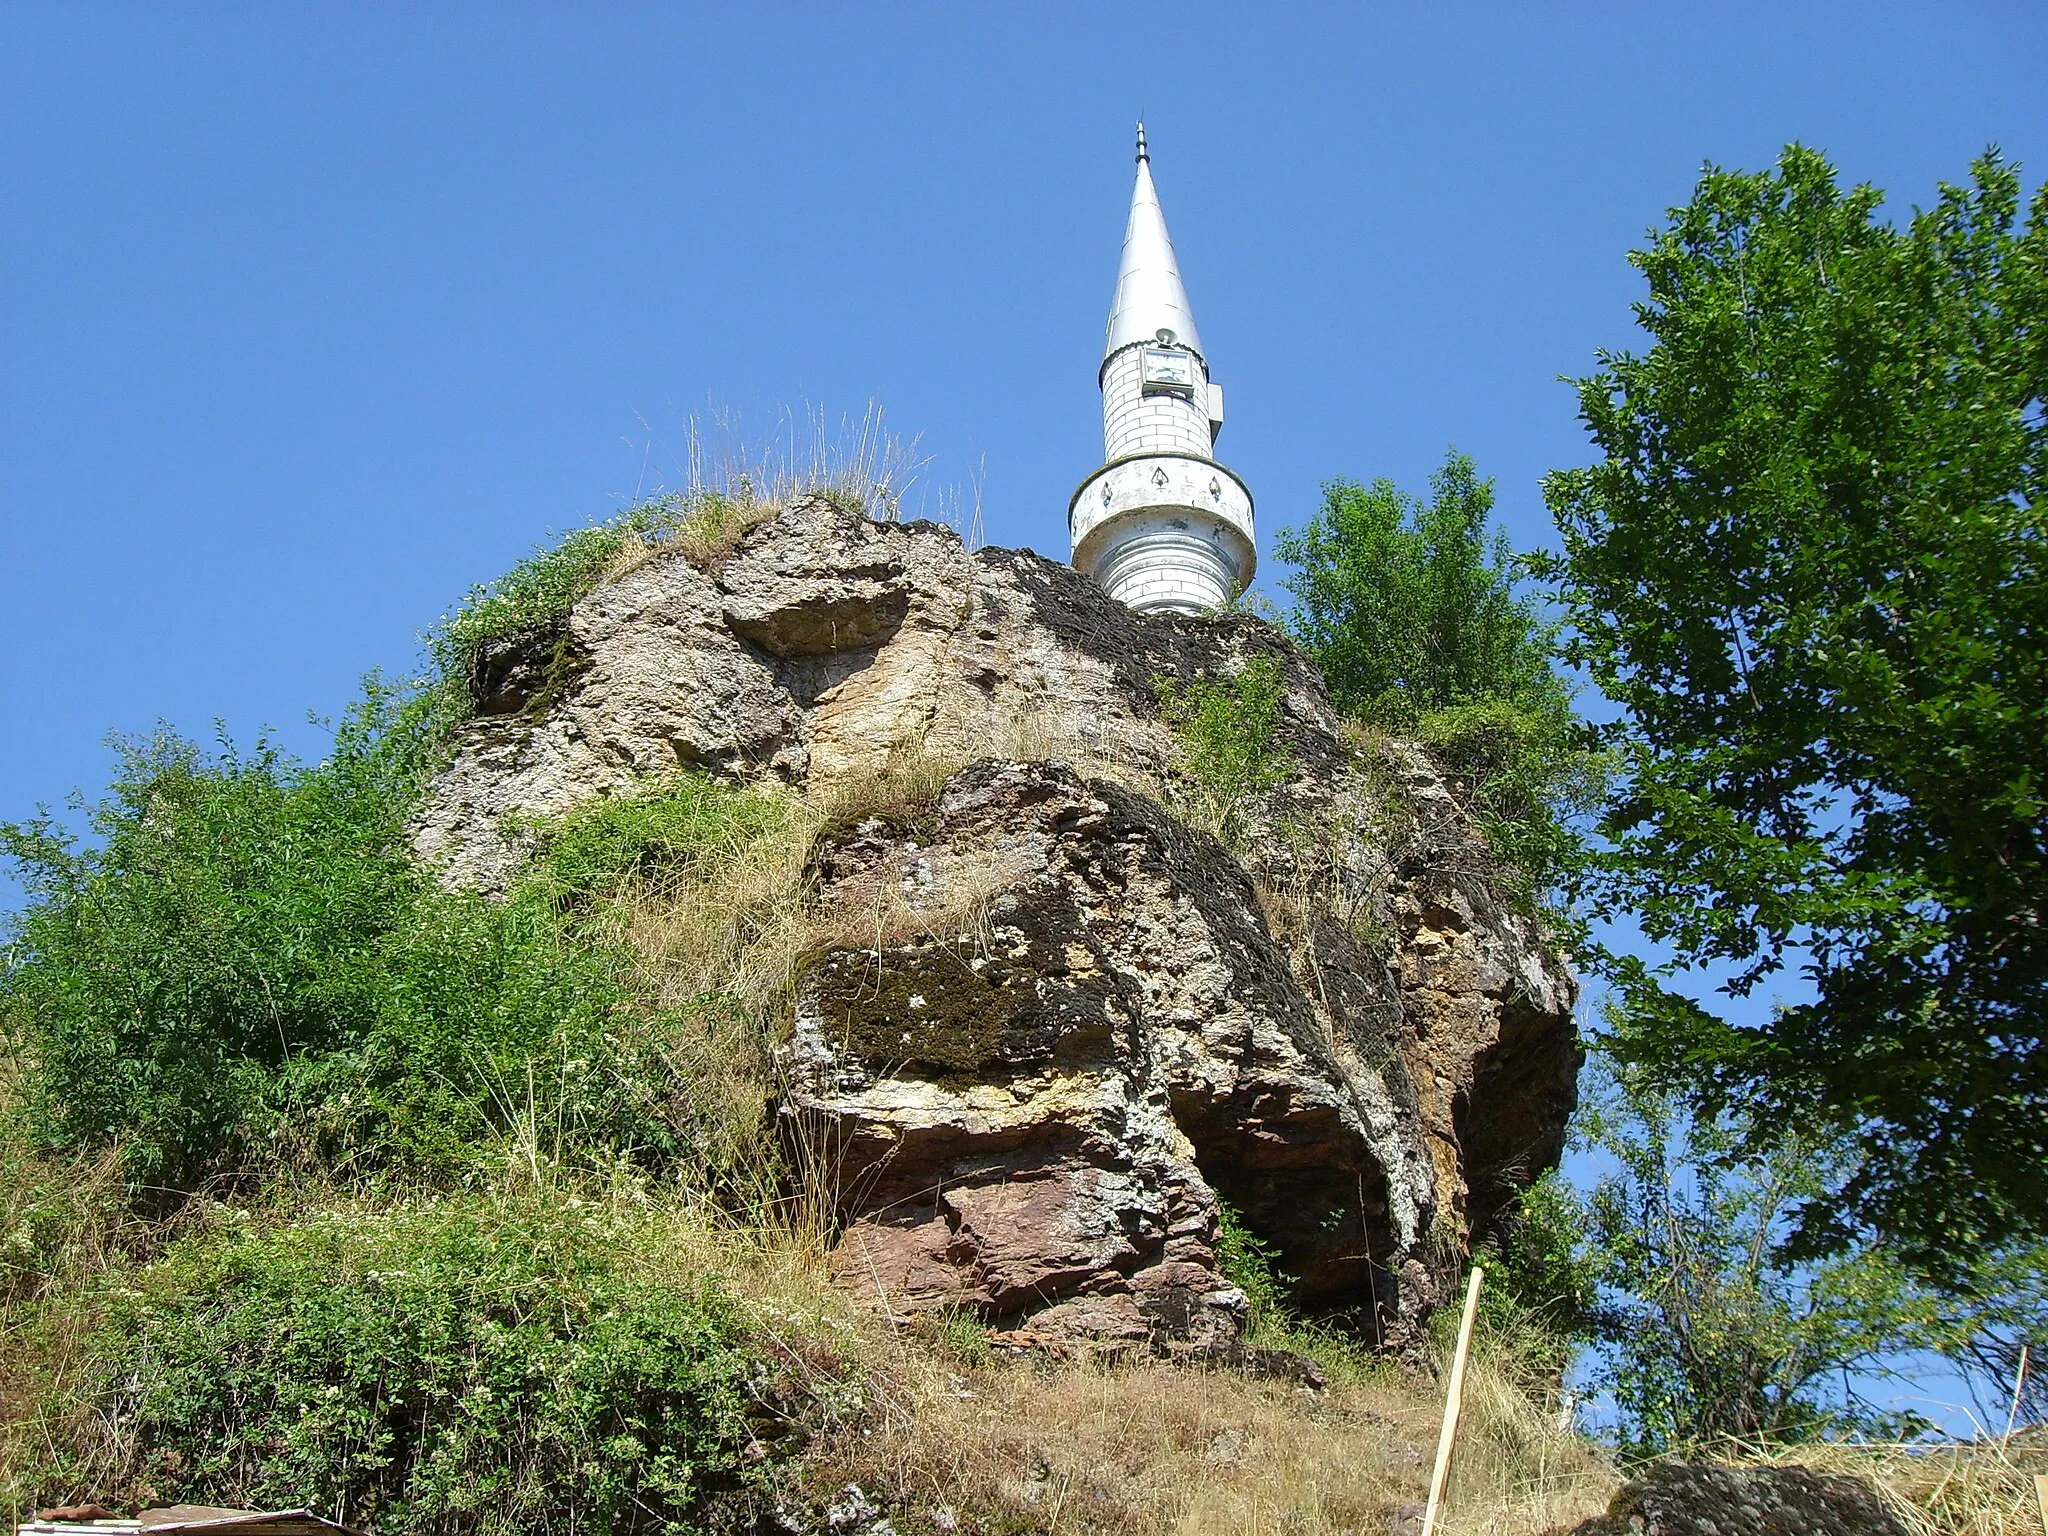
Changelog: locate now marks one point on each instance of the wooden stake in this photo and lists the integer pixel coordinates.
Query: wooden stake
(2019, 1387)
(2041, 1497)
(1454, 1398)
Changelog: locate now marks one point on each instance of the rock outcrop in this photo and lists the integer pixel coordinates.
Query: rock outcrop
(1075, 1020)
(1682, 1499)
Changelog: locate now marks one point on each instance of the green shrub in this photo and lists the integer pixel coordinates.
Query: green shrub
(1251, 1264)
(1542, 1284)
(536, 595)
(1530, 778)
(1409, 605)
(1409, 608)
(250, 969)
(1229, 730)
(462, 1366)
(683, 823)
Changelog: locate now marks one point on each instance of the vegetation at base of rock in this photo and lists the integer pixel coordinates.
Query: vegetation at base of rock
(532, 1360)
(1006, 1447)
(1811, 565)
(1542, 1284)
(1252, 1265)
(1229, 729)
(1409, 608)
(250, 973)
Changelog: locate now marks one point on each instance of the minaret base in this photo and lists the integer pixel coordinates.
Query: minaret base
(1160, 565)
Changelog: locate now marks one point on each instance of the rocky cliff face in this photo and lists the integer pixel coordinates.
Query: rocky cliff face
(1084, 1020)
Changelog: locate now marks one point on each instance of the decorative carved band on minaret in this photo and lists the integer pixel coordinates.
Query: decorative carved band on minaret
(1162, 525)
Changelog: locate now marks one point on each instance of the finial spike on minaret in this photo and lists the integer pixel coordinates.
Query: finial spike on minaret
(1149, 296)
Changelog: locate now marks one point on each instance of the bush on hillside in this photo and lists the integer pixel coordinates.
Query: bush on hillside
(470, 1365)
(1409, 608)
(250, 970)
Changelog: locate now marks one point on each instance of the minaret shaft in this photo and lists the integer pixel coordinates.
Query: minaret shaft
(1162, 525)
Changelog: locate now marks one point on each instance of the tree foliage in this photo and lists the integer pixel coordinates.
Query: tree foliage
(1705, 1327)
(1409, 608)
(1812, 566)
(1707, 1331)
(1409, 605)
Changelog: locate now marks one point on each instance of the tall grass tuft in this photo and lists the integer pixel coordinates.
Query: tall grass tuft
(729, 489)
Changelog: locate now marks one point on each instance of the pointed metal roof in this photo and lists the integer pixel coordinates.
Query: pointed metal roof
(1149, 296)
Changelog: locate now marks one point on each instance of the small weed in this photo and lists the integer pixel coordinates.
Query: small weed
(957, 1336)
(1229, 733)
(1250, 1263)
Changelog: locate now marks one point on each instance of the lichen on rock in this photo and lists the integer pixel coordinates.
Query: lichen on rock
(1676, 1498)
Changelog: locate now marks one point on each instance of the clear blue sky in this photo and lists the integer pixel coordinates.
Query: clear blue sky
(315, 315)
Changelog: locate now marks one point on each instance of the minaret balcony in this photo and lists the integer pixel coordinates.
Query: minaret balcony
(1160, 493)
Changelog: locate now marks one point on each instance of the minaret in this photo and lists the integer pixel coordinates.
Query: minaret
(1162, 525)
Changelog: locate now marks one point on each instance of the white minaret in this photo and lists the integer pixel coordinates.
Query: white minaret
(1162, 525)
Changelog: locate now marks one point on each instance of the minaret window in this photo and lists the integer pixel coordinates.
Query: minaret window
(1169, 371)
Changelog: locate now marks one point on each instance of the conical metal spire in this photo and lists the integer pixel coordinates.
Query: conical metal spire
(1149, 296)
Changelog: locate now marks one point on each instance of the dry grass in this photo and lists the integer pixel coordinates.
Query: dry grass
(1975, 1488)
(1520, 1468)
(857, 461)
(64, 1223)
(732, 485)
(1051, 734)
(741, 921)
(704, 530)
(720, 943)
(736, 921)
(1098, 1449)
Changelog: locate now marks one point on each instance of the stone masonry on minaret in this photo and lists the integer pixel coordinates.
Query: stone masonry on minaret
(1162, 525)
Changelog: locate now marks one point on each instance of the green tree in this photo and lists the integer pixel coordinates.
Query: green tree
(1409, 605)
(1706, 1327)
(1706, 1332)
(249, 968)
(1811, 566)
(1409, 608)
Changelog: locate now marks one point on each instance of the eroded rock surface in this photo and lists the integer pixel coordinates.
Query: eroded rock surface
(1683, 1499)
(1071, 1021)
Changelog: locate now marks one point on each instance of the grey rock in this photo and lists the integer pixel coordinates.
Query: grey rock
(853, 1510)
(1683, 1499)
(1033, 1103)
